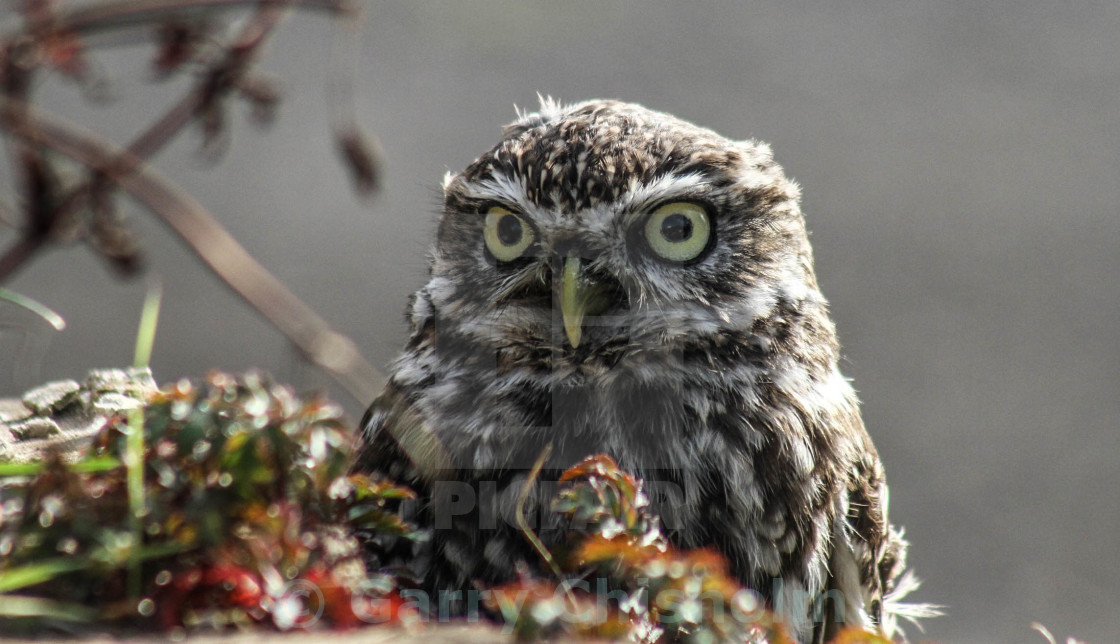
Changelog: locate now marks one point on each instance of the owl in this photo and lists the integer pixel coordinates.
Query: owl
(611, 279)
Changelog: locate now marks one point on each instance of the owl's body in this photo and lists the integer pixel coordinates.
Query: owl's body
(609, 279)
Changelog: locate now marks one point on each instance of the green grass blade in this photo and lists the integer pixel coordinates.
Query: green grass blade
(134, 446)
(19, 606)
(95, 465)
(37, 573)
(35, 307)
(137, 504)
(33, 574)
(88, 466)
(20, 469)
(146, 334)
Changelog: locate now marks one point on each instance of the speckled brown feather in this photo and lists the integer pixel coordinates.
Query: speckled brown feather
(716, 378)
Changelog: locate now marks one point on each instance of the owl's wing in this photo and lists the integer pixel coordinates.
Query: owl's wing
(866, 554)
(399, 444)
(868, 561)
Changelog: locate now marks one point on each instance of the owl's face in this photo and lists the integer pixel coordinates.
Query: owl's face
(606, 232)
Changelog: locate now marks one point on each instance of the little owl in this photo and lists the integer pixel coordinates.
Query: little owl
(610, 279)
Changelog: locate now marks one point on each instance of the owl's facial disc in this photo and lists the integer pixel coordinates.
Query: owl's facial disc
(676, 233)
(510, 238)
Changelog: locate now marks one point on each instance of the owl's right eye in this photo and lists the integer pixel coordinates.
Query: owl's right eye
(507, 234)
(679, 231)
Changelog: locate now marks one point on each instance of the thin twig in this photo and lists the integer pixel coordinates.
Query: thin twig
(527, 530)
(222, 76)
(361, 151)
(219, 78)
(22, 157)
(126, 13)
(333, 352)
(22, 250)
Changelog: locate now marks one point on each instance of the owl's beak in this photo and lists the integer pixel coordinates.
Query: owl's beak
(580, 296)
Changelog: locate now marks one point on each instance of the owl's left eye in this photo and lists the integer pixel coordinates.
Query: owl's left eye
(507, 234)
(678, 231)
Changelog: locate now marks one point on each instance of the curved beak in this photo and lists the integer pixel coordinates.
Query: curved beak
(580, 296)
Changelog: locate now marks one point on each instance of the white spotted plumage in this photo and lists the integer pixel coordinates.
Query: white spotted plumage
(717, 376)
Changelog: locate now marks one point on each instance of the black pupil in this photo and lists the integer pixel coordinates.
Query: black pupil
(509, 230)
(676, 228)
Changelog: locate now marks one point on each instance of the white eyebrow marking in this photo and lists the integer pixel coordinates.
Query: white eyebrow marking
(502, 187)
(643, 196)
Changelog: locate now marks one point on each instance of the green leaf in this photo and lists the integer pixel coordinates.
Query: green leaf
(88, 466)
(96, 464)
(20, 469)
(37, 573)
(161, 550)
(20, 606)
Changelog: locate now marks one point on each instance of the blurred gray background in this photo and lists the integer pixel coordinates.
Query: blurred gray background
(959, 164)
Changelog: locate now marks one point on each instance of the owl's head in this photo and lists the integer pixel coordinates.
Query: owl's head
(603, 231)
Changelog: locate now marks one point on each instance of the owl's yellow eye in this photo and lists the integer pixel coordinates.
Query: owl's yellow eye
(507, 234)
(678, 231)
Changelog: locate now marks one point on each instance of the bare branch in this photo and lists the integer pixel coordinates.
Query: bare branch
(333, 352)
(128, 13)
(222, 76)
(360, 151)
(40, 189)
(21, 251)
